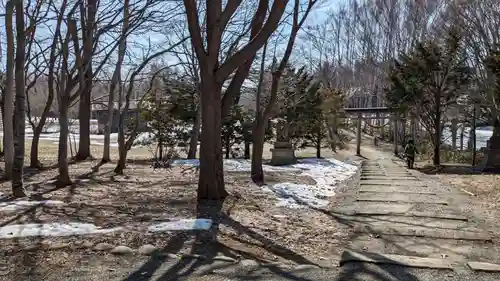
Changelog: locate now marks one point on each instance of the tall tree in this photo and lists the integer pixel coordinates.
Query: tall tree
(8, 97)
(87, 16)
(122, 47)
(214, 73)
(259, 132)
(429, 80)
(19, 104)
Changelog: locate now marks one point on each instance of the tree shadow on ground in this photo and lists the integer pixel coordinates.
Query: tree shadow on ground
(354, 271)
(206, 247)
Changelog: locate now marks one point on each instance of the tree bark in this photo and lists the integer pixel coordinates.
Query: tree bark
(195, 135)
(462, 137)
(318, 144)
(8, 100)
(122, 47)
(247, 149)
(257, 172)
(62, 158)
(211, 179)
(454, 129)
(19, 105)
(437, 132)
(86, 93)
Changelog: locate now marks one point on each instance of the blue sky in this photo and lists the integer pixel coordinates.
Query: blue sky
(318, 15)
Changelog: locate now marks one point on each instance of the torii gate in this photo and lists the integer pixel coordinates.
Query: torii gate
(373, 113)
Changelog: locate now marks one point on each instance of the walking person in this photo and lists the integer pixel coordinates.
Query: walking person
(410, 151)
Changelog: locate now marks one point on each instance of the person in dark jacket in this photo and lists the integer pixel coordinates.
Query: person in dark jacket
(410, 151)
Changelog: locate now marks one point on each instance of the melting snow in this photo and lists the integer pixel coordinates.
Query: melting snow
(51, 229)
(183, 224)
(327, 173)
(19, 205)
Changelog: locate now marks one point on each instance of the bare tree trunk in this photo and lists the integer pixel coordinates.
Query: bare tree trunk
(85, 94)
(62, 158)
(257, 172)
(122, 46)
(19, 105)
(8, 99)
(211, 179)
(454, 129)
(437, 132)
(195, 135)
(318, 144)
(462, 137)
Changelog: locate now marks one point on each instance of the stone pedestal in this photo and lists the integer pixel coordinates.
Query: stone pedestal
(492, 163)
(283, 154)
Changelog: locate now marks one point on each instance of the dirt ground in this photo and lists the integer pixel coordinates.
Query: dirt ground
(255, 228)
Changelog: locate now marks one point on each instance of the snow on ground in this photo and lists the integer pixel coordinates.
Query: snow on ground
(21, 205)
(52, 229)
(234, 165)
(327, 173)
(483, 134)
(183, 224)
(76, 228)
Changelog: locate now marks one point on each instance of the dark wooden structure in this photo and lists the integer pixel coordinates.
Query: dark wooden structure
(373, 113)
(100, 112)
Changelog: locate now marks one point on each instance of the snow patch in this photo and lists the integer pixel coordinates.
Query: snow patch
(183, 224)
(52, 229)
(327, 173)
(20, 205)
(235, 165)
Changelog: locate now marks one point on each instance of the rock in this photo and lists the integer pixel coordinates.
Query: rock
(58, 245)
(306, 267)
(224, 258)
(122, 250)
(147, 249)
(87, 244)
(249, 263)
(103, 247)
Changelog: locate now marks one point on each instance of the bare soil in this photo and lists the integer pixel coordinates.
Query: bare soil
(255, 227)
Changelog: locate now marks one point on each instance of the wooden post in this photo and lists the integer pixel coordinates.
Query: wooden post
(395, 134)
(358, 135)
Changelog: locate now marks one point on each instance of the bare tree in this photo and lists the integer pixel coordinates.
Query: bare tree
(124, 143)
(214, 74)
(261, 120)
(8, 97)
(122, 46)
(87, 17)
(19, 104)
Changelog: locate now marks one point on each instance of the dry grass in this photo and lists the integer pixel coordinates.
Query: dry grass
(254, 226)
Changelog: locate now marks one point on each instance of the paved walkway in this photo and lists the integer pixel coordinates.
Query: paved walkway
(402, 217)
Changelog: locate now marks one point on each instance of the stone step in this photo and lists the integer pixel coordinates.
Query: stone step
(405, 210)
(425, 232)
(389, 178)
(400, 197)
(456, 250)
(484, 266)
(401, 221)
(392, 183)
(408, 261)
(395, 189)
